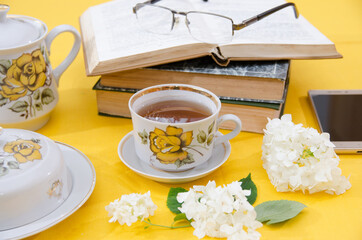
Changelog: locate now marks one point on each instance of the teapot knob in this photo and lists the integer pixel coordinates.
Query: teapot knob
(3, 11)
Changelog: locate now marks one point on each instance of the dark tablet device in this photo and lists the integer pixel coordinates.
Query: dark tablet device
(339, 112)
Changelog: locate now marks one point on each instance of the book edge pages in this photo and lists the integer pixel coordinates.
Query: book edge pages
(165, 55)
(261, 51)
(91, 59)
(253, 86)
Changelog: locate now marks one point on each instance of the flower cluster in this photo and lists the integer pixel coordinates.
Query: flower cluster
(220, 211)
(298, 158)
(131, 208)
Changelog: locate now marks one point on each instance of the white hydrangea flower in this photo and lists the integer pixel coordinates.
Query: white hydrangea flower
(298, 158)
(131, 208)
(220, 211)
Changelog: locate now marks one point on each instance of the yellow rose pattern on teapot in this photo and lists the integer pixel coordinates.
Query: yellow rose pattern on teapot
(24, 83)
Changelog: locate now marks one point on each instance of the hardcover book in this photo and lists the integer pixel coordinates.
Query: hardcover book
(112, 101)
(258, 80)
(113, 40)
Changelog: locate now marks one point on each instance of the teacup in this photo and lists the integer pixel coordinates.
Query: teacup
(28, 84)
(175, 125)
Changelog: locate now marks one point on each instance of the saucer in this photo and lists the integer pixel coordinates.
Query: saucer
(84, 179)
(127, 154)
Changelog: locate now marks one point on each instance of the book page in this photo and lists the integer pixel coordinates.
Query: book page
(118, 33)
(279, 28)
(116, 41)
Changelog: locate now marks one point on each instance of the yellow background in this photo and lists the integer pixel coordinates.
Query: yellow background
(75, 122)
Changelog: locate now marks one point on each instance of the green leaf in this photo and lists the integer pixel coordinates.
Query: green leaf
(3, 171)
(36, 94)
(19, 106)
(35, 140)
(47, 96)
(189, 158)
(13, 165)
(3, 70)
(172, 202)
(144, 136)
(209, 139)
(278, 211)
(179, 163)
(201, 137)
(3, 100)
(248, 184)
(211, 127)
(4, 66)
(179, 217)
(2, 77)
(38, 106)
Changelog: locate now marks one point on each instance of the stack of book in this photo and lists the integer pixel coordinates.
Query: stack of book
(251, 90)
(129, 58)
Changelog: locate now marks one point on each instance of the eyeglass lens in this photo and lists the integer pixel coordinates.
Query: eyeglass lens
(204, 27)
(155, 19)
(209, 28)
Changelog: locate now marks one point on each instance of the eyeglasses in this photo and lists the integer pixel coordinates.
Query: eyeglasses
(203, 26)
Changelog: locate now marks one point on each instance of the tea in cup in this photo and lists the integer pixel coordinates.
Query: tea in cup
(175, 125)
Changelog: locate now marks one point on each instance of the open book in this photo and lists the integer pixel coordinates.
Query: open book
(113, 40)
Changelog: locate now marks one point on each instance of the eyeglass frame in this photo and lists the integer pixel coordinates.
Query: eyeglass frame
(235, 27)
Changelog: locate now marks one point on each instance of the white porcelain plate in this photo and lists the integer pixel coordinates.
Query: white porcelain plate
(127, 154)
(84, 179)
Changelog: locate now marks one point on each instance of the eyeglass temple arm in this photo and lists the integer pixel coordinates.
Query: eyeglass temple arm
(262, 15)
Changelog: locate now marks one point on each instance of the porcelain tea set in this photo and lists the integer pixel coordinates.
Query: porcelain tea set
(55, 178)
(165, 152)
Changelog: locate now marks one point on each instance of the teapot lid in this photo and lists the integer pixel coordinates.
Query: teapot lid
(17, 30)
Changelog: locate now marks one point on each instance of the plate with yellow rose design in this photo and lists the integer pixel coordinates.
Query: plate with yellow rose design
(126, 152)
(83, 176)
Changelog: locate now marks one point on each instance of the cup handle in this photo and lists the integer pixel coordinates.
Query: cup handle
(58, 71)
(233, 133)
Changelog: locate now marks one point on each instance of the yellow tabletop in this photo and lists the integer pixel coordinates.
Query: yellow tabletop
(75, 122)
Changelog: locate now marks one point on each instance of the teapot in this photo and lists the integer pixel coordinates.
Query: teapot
(28, 83)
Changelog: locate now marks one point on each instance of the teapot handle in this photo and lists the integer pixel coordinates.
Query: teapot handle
(58, 71)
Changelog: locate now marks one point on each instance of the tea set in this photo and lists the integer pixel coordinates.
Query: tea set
(164, 152)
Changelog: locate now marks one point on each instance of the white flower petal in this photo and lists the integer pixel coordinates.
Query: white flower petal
(298, 158)
(220, 211)
(130, 208)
